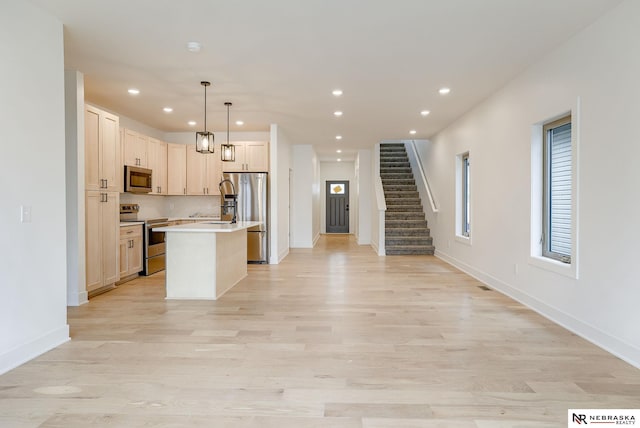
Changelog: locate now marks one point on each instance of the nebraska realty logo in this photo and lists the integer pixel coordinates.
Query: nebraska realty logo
(599, 417)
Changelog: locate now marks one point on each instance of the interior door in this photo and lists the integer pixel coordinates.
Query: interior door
(337, 202)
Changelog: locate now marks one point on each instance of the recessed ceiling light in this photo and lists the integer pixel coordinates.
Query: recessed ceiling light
(194, 46)
(339, 160)
(412, 132)
(192, 123)
(338, 151)
(167, 109)
(337, 92)
(239, 122)
(425, 112)
(444, 91)
(134, 91)
(338, 137)
(337, 113)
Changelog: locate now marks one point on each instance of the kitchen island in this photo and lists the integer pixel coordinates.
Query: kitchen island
(204, 260)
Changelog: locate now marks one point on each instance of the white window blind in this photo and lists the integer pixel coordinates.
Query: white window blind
(558, 187)
(466, 222)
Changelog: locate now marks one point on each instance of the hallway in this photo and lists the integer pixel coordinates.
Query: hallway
(333, 337)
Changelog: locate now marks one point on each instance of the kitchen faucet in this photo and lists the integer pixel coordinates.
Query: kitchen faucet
(229, 201)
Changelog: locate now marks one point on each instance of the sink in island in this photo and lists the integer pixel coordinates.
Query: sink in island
(204, 260)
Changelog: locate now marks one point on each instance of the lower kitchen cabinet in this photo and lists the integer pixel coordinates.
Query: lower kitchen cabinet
(130, 251)
(102, 223)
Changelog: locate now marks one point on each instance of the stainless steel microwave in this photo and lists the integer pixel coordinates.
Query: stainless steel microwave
(136, 179)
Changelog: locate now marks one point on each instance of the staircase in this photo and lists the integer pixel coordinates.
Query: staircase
(406, 230)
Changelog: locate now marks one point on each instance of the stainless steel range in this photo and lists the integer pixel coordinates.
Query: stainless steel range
(154, 246)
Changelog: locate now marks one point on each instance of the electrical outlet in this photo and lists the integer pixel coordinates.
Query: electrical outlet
(25, 214)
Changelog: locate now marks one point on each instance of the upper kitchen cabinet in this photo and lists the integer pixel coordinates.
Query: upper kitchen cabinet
(176, 169)
(135, 148)
(203, 172)
(251, 156)
(102, 150)
(157, 162)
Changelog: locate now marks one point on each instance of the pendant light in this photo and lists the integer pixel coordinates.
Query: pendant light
(228, 151)
(204, 139)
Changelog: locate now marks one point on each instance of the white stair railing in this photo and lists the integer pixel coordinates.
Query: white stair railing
(424, 189)
(380, 202)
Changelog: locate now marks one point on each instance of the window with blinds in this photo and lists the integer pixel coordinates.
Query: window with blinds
(466, 222)
(557, 235)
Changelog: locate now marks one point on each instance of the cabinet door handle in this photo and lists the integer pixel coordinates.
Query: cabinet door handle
(184, 190)
(106, 197)
(106, 183)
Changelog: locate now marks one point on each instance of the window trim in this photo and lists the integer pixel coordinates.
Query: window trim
(536, 259)
(465, 225)
(463, 186)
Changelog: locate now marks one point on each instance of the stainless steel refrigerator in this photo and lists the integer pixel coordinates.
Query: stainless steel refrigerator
(253, 205)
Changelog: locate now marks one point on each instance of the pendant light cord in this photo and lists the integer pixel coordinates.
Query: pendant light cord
(228, 105)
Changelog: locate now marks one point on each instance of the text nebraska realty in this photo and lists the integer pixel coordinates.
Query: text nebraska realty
(605, 419)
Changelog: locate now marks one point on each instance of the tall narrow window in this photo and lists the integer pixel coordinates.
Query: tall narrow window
(463, 199)
(466, 223)
(557, 155)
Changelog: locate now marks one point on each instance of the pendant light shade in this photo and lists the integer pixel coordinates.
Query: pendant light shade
(204, 139)
(228, 151)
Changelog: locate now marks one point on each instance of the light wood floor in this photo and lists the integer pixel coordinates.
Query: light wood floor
(332, 337)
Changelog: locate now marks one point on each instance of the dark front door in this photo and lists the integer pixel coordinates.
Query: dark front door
(337, 207)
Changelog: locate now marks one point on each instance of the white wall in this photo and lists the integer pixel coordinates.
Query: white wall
(315, 197)
(600, 67)
(363, 191)
(75, 199)
(280, 167)
(33, 277)
(344, 171)
(305, 218)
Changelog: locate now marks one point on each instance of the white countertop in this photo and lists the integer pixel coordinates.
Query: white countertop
(210, 227)
(195, 218)
(130, 223)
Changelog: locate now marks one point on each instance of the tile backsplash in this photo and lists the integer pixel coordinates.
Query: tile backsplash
(172, 206)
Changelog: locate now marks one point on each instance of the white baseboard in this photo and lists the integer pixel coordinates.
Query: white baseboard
(376, 248)
(28, 351)
(78, 299)
(315, 240)
(621, 349)
(282, 255)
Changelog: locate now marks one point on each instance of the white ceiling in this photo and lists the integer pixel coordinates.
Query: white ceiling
(279, 60)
